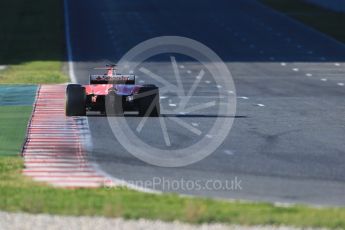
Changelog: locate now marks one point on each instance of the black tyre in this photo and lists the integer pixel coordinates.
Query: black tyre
(148, 101)
(113, 103)
(75, 100)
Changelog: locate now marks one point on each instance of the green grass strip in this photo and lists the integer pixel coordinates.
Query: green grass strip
(13, 122)
(18, 193)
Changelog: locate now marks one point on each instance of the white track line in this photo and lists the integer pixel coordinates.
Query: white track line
(68, 43)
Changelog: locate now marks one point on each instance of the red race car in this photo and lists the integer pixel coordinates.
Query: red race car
(112, 94)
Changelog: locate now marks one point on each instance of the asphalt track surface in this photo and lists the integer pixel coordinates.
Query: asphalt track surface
(287, 141)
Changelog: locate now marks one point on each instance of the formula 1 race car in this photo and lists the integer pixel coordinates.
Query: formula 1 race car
(112, 94)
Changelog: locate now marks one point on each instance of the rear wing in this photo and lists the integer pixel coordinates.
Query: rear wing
(128, 79)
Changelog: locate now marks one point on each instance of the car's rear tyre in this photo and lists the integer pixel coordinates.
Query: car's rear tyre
(75, 100)
(113, 103)
(148, 105)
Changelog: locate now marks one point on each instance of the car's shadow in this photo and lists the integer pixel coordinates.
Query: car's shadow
(177, 115)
